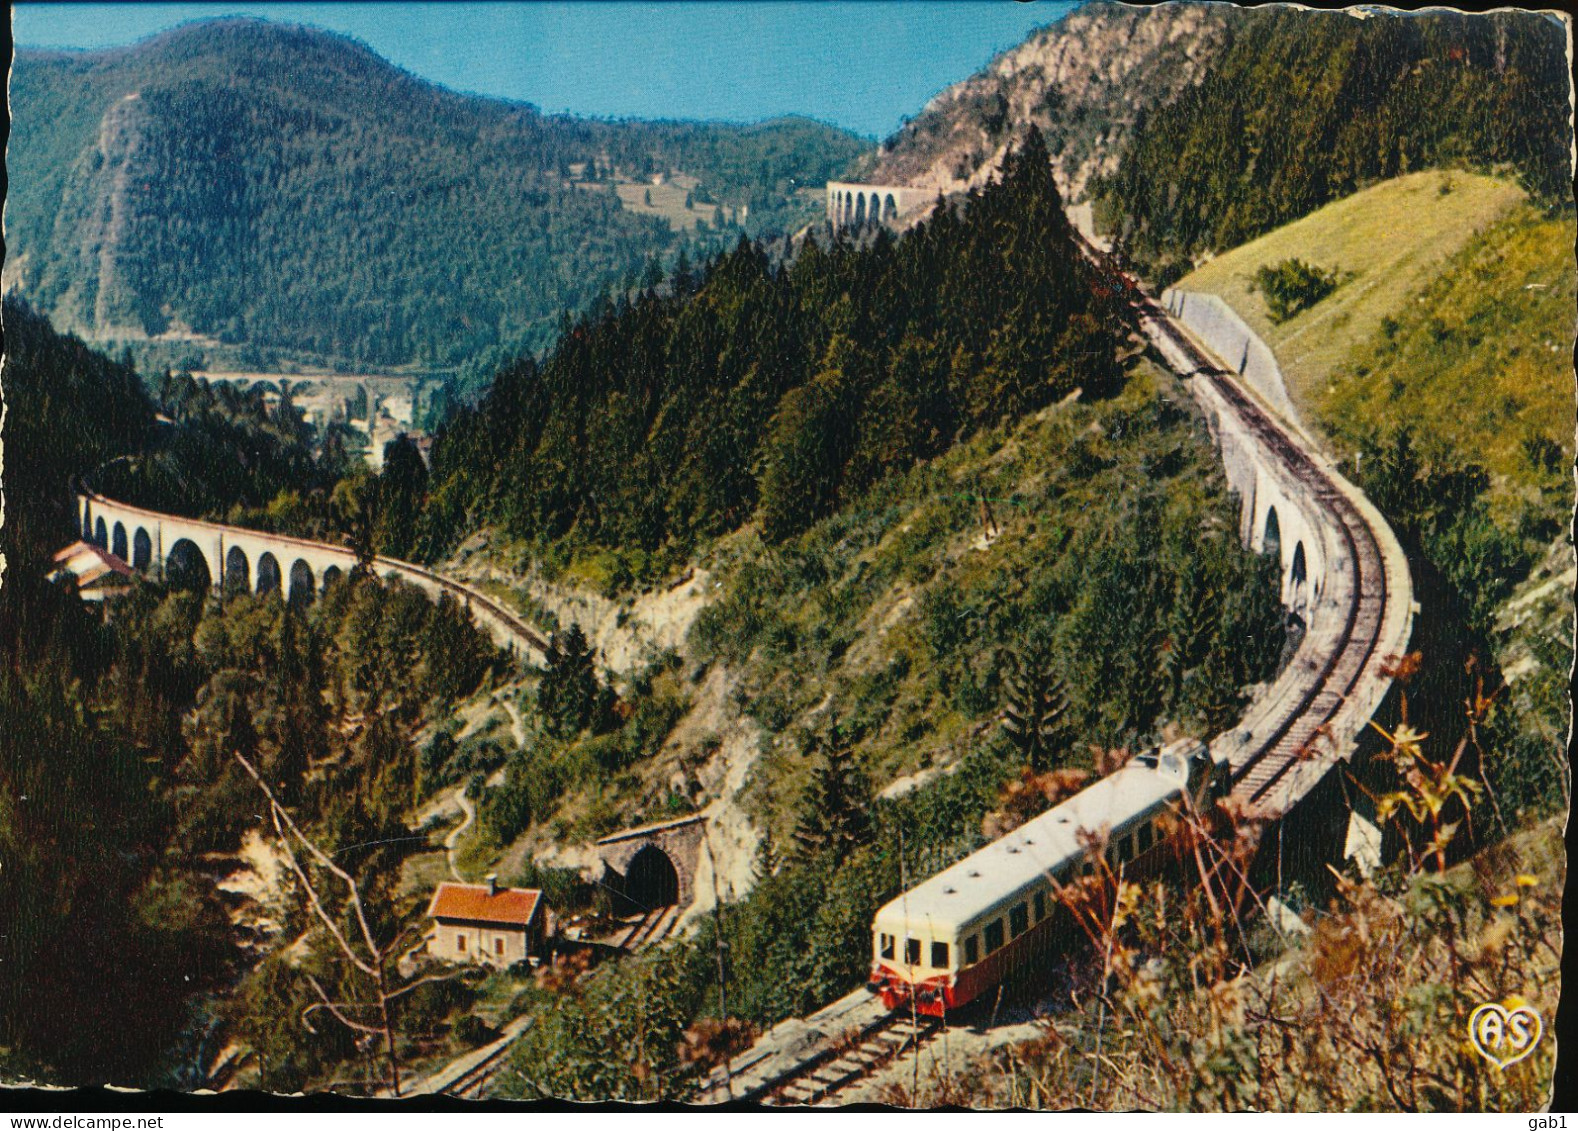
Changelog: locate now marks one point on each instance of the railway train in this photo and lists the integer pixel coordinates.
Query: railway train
(963, 932)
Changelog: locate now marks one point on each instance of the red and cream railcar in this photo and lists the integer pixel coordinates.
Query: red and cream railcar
(964, 931)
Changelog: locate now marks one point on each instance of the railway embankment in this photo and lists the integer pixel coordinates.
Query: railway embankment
(1220, 329)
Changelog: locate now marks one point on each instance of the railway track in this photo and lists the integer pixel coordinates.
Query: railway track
(652, 928)
(471, 1084)
(468, 597)
(1358, 585)
(1365, 592)
(823, 1078)
(1331, 686)
(468, 1076)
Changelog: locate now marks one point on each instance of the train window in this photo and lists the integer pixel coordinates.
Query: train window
(912, 951)
(1019, 920)
(885, 945)
(972, 950)
(1147, 837)
(939, 955)
(994, 935)
(1088, 867)
(1041, 906)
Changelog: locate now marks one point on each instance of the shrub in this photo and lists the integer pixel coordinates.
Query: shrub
(472, 1030)
(1291, 286)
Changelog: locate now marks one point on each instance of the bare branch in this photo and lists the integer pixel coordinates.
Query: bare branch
(315, 902)
(323, 859)
(334, 1008)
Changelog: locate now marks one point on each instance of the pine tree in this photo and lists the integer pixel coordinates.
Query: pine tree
(1034, 714)
(568, 691)
(402, 493)
(833, 817)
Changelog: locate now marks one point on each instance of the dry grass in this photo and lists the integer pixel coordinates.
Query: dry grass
(1388, 242)
(1369, 1011)
(668, 202)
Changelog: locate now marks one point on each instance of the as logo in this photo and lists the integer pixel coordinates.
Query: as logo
(1504, 1036)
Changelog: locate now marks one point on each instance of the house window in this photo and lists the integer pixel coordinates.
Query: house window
(460, 943)
(1041, 906)
(994, 935)
(498, 946)
(885, 945)
(1147, 837)
(972, 950)
(912, 951)
(1019, 920)
(939, 955)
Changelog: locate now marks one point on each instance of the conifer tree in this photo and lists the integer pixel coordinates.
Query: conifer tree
(1033, 714)
(568, 691)
(833, 817)
(402, 488)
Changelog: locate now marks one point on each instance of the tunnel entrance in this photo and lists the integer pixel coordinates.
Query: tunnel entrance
(651, 880)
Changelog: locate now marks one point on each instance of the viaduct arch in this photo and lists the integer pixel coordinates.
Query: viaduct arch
(209, 554)
(854, 205)
(1344, 576)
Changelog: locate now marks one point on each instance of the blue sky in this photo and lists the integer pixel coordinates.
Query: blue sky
(862, 65)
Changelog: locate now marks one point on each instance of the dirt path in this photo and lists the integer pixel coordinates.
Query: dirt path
(517, 724)
(453, 838)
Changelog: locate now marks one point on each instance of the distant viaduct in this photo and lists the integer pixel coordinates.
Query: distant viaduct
(295, 568)
(851, 205)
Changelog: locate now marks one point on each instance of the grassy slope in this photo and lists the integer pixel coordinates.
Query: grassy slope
(1478, 291)
(1482, 357)
(1391, 237)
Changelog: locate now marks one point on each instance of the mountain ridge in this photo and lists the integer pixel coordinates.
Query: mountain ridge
(279, 189)
(1188, 128)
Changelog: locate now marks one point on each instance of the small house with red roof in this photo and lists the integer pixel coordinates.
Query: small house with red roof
(98, 573)
(487, 923)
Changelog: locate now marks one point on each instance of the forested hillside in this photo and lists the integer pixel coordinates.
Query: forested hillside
(782, 394)
(1086, 82)
(68, 410)
(1192, 128)
(1112, 495)
(117, 744)
(1304, 107)
(264, 191)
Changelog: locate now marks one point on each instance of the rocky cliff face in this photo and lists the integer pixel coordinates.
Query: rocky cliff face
(1084, 81)
(99, 209)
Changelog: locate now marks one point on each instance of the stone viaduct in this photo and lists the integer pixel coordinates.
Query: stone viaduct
(1345, 585)
(296, 568)
(852, 205)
